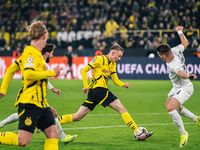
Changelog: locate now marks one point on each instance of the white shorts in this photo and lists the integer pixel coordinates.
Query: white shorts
(182, 94)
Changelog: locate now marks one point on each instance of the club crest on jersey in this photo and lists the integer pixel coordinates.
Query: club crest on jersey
(92, 61)
(28, 121)
(30, 60)
(106, 71)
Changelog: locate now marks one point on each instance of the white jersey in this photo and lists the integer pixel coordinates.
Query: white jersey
(49, 85)
(178, 63)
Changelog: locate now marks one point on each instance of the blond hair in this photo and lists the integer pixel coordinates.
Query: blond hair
(117, 47)
(36, 30)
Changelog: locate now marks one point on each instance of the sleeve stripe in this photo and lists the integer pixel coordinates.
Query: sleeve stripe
(30, 68)
(17, 63)
(113, 73)
(90, 66)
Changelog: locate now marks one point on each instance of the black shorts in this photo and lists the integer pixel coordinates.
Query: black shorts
(99, 95)
(31, 116)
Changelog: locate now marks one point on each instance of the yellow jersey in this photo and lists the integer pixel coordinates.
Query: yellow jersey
(34, 78)
(103, 68)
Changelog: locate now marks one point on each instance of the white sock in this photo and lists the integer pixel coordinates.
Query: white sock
(178, 121)
(186, 113)
(59, 128)
(12, 118)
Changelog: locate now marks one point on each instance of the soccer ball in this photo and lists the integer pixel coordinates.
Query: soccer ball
(141, 133)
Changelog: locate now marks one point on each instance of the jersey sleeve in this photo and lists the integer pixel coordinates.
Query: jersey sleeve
(115, 77)
(31, 61)
(178, 48)
(12, 69)
(49, 85)
(94, 63)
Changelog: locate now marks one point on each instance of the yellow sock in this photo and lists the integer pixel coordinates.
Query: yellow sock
(129, 121)
(65, 118)
(51, 144)
(9, 138)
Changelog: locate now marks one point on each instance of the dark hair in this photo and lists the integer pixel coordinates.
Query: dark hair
(163, 49)
(117, 47)
(48, 48)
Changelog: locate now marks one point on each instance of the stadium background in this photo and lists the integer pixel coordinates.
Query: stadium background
(140, 25)
(91, 25)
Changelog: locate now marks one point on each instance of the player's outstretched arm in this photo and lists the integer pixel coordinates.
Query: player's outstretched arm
(1, 94)
(57, 91)
(185, 76)
(116, 80)
(50, 87)
(84, 78)
(30, 74)
(179, 30)
(84, 90)
(192, 76)
(126, 85)
(12, 69)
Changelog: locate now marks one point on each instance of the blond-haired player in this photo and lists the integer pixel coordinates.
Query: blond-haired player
(98, 92)
(31, 99)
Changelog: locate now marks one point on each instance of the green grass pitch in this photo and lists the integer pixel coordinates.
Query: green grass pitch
(103, 128)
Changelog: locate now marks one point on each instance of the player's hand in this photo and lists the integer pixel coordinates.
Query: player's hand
(179, 28)
(126, 85)
(1, 94)
(57, 70)
(57, 91)
(84, 90)
(192, 76)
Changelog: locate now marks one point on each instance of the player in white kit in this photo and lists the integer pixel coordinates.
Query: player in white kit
(182, 86)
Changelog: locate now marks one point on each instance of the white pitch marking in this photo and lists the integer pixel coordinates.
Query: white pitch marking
(136, 114)
(119, 126)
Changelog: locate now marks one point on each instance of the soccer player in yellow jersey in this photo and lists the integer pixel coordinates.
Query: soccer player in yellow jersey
(104, 66)
(32, 109)
(47, 53)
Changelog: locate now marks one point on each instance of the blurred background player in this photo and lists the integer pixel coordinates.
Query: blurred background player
(31, 98)
(182, 86)
(47, 53)
(16, 53)
(69, 56)
(104, 66)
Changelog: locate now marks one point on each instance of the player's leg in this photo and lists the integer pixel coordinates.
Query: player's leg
(171, 108)
(65, 138)
(186, 113)
(9, 138)
(26, 128)
(116, 105)
(12, 118)
(83, 110)
(47, 124)
(51, 142)
(72, 74)
(22, 139)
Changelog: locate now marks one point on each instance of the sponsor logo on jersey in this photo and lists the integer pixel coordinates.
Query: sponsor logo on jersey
(106, 71)
(29, 65)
